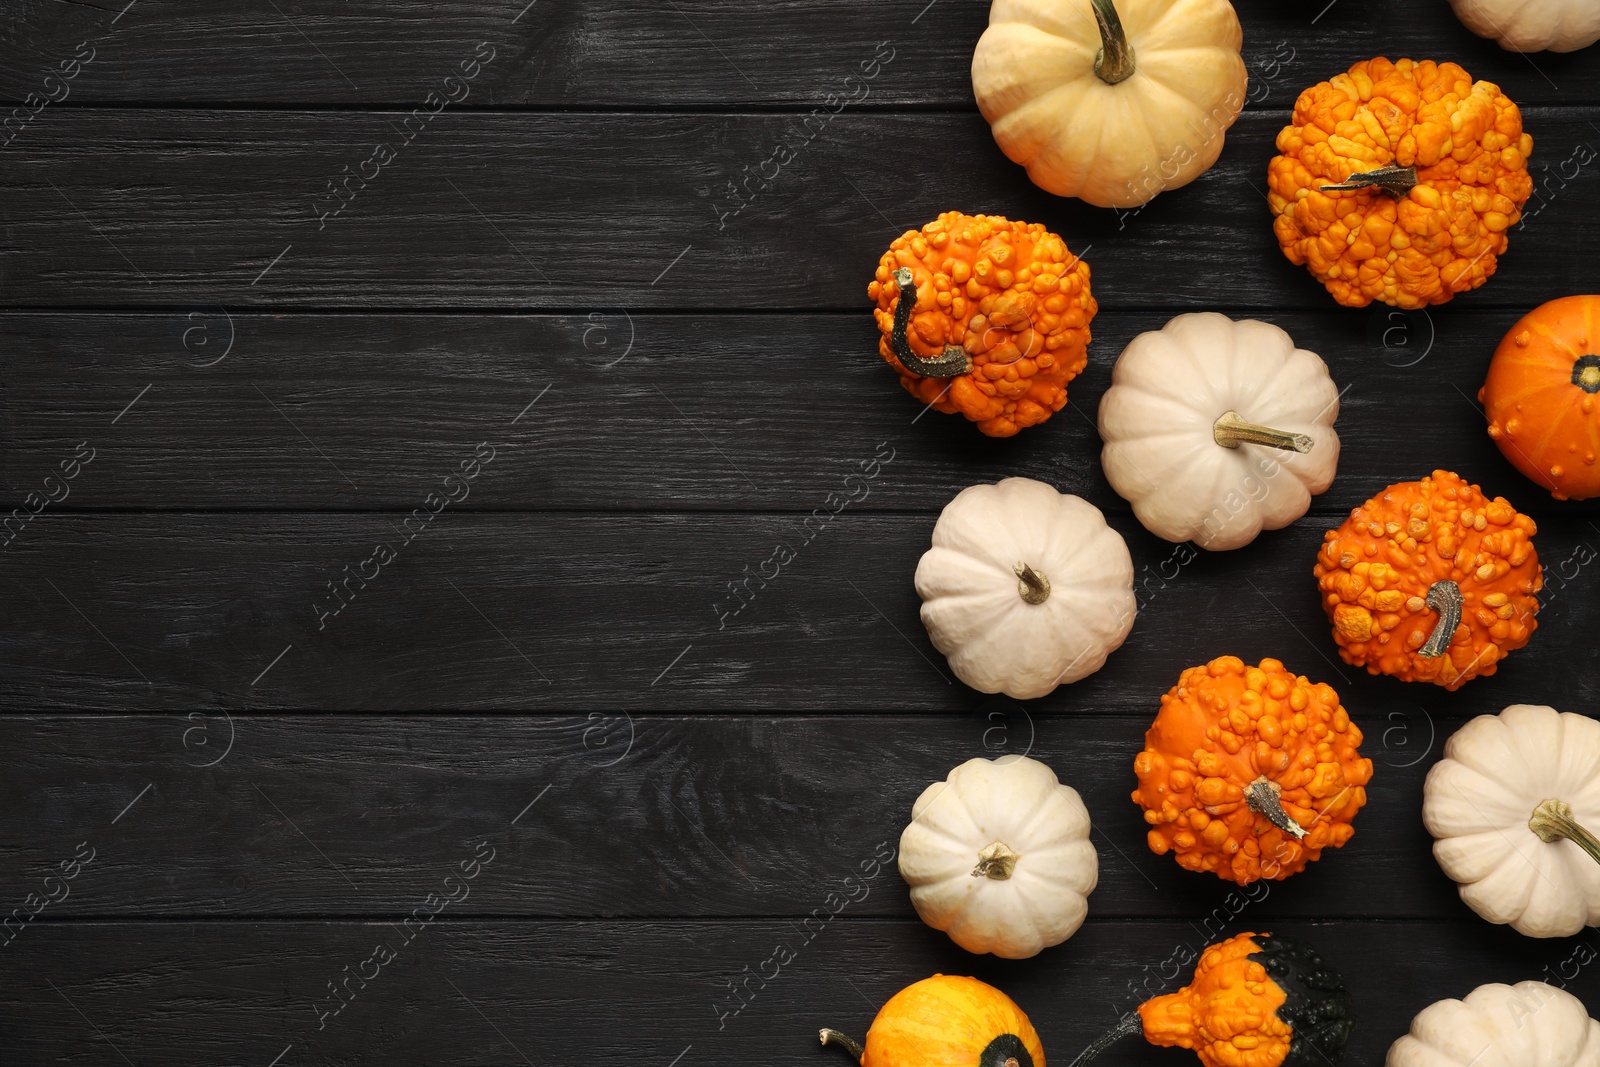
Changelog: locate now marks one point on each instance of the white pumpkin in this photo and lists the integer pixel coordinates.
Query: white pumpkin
(1024, 588)
(1508, 806)
(1533, 25)
(1216, 430)
(998, 856)
(1530, 1024)
(1111, 101)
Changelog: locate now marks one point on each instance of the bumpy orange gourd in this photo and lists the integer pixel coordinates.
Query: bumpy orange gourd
(1398, 181)
(1000, 322)
(1250, 772)
(1256, 1000)
(1431, 581)
(1540, 396)
(947, 1021)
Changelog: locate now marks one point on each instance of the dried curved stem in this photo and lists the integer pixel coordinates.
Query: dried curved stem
(1114, 62)
(951, 362)
(844, 1041)
(996, 861)
(1262, 798)
(1396, 181)
(1552, 820)
(1127, 1026)
(1445, 598)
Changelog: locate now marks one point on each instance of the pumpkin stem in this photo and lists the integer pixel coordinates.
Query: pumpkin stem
(1127, 1026)
(1396, 181)
(1552, 820)
(1445, 598)
(1586, 373)
(1114, 62)
(1262, 798)
(1031, 585)
(1230, 431)
(844, 1041)
(997, 861)
(950, 363)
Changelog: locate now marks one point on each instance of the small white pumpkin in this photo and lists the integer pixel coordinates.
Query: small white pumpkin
(1024, 588)
(1530, 1024)
(1111, 102)
(1508, 806)
(1216, 430)
(998, 856)
(1533, 25)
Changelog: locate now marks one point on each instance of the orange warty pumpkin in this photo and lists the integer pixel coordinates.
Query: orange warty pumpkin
(1431, 581)
(946, 1021)
(1256, 1000)
(1250, 772)
(997, 323)
(1398, 181)
(1540, 396)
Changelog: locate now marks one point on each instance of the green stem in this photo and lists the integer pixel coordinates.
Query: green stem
(844, 1041)
(1114, 62)
(1396, 181)
(1230, 431)
(1552, 820)
(1445, 598)
(1127, 1026)
(951, 362)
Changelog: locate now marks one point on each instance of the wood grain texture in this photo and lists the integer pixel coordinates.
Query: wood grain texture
(186, 208)
(503, 993)
(604, 612)
(636, 412)
(609, 815)
(637, 54)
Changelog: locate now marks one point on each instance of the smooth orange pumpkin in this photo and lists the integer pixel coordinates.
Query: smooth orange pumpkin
(1431, 581)
(1399, 181)
(997, 322)
(947, 1021)
(1540, 396)
(1256, 1000)
(1250, 772)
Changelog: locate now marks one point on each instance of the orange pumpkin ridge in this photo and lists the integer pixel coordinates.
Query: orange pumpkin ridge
(1540, 396)
(1250, 772)
(1395, 574)
(947, 1021)
(1399, 182)
(999, 323)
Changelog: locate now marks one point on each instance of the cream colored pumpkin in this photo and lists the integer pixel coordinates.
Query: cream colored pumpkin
(1533, 25)
(998, 856)
(1530, 1024)
(1508, 807)
(1111, 101)
(1216, 430)
(1024, 588)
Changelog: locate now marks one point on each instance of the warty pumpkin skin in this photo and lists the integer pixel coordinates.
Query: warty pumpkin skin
(1250, 772)
(997, 323)
(1111, 101)
(1431, 581)
(946, 1021)
(1399, 181)
(1256, 1000)
(1540, 396)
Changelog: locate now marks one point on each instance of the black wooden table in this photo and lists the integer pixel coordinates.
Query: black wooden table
(533, 381)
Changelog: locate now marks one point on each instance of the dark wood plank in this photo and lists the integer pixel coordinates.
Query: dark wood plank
(643, 411)
(703, 817)
(634, 53)
(604, 612)
(626, 993)
(574, 211)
